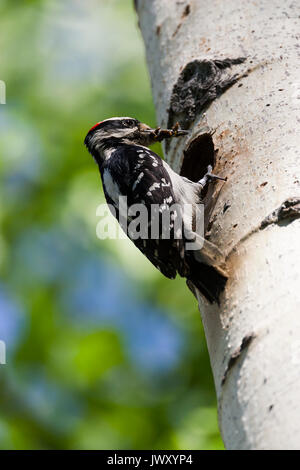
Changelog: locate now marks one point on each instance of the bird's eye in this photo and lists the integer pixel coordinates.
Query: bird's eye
(129, 123)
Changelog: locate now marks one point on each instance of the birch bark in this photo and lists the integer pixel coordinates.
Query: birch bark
(252, 106)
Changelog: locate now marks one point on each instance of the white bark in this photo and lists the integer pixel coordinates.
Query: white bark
(253, 337)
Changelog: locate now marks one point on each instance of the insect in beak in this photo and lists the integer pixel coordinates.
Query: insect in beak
(159, 134)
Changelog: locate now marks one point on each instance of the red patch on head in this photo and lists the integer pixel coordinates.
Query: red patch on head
(96, 125)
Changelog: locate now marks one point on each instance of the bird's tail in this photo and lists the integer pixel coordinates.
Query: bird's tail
(207, 269)
(207, 280)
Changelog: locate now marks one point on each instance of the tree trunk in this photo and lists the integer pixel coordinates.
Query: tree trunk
(228, 71)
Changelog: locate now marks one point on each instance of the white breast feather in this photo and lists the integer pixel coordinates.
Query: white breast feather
(111, 187)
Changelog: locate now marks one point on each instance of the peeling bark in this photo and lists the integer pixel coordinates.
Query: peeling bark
(244, 117)
(200, 82)
(236, 355)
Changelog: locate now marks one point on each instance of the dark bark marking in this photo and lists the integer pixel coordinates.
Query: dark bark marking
(199, 83)
(177, 29)
(185, 13)
(226, 207)
(284, 214)
(237, 354)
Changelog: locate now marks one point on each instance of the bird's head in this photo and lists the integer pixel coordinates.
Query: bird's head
(106, 135)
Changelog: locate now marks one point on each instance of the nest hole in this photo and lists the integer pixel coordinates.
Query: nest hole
(200, 153)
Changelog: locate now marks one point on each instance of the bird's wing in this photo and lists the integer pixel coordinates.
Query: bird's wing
(145, 181)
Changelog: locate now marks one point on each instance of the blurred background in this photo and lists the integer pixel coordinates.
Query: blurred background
(102, 351)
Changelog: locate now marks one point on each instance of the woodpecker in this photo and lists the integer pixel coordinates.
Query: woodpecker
(120, 147)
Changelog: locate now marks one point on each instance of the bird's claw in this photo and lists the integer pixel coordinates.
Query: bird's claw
(209, 176)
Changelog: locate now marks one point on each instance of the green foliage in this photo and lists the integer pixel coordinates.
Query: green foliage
(102, 351)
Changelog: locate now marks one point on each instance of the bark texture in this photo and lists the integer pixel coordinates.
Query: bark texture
(229, 71)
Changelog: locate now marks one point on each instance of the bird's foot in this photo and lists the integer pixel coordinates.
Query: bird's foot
(209, 176)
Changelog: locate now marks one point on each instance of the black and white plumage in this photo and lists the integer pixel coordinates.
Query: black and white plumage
(129, 168)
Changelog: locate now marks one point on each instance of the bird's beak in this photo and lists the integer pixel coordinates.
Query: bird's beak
(147, 133)
(145, 128)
